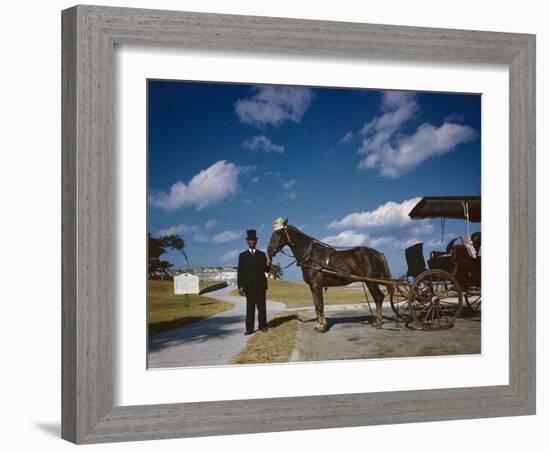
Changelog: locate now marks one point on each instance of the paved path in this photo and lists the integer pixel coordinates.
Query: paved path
(207, 342)
(351, 336)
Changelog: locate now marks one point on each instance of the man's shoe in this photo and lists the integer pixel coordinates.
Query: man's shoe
(246, 333)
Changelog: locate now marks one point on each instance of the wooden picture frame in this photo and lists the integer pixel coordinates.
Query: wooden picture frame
(89, 37)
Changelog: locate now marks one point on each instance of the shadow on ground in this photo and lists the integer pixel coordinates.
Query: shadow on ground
(214, 328)
(365, 319)
(278, 321)
(352, 336)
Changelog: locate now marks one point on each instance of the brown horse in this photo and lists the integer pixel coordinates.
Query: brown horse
(315, 258)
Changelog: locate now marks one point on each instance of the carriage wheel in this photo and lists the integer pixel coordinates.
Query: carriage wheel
(435, 300)
(473, 300)
(399, 301)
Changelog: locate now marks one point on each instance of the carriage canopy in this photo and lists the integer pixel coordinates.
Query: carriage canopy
(448, 207)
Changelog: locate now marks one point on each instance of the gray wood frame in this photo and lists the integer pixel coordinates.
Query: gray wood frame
(89, 36)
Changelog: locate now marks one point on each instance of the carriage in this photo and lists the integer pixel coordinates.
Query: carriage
(428, 297)
(435, 296)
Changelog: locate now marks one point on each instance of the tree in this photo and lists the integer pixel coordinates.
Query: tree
(276, 272)
(177, 243)
(157, 247)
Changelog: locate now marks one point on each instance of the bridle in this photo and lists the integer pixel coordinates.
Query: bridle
(299, 260)
(290, 244)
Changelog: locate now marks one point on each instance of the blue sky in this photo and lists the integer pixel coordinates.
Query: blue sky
(344, 165)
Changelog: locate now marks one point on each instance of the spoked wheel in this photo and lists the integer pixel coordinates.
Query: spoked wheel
(399, 301)
(435, 300)
(473, 300)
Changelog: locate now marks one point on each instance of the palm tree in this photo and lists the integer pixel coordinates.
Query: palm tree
(276, 272)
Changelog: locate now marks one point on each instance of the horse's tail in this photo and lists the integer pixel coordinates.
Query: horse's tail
(386, 273)
(386, 267)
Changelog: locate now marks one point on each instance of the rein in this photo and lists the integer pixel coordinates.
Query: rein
(294, 260)
(291, 245)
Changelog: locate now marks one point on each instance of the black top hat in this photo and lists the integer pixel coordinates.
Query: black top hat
(251, 235)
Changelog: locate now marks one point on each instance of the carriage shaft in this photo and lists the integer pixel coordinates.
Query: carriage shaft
(363, 279)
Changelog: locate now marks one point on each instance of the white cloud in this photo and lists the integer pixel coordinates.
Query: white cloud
(208, 187)
(230, 256)
(351, 238)
(262, 144)
(347, 238)
(410, 151)
(347, 138)
(225, 236)
(419, 228)
(390, 214)
(272, 105)
(399, 106)
(394, 99)
(393, 153)
(291, 195)
(247, 170)
(288, 184)
(390, 219)
(210, 223)
(200, 237)
(178, 229)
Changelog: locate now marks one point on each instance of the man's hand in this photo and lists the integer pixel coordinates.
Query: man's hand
(268, 261)
(241, 291)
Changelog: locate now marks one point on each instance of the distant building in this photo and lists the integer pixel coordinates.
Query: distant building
(218, 273)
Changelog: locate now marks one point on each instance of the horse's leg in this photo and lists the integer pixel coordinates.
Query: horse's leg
(317, 294)
(378, 296)
(323, 320)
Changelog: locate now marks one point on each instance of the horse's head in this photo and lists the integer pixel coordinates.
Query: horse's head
(279, 238)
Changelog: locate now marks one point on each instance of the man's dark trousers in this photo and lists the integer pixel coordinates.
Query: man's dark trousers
(255, 300)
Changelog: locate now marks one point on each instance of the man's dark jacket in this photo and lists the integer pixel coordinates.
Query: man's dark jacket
(251, 272)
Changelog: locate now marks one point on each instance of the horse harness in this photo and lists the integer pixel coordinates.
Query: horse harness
(305, 259)
(325, 267)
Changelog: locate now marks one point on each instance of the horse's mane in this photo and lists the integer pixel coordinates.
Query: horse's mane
(324, 244)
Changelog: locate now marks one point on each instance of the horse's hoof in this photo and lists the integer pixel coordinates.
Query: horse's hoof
(319, 330)
(377, 324)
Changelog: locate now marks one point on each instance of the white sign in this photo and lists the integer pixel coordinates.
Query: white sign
(186, 283)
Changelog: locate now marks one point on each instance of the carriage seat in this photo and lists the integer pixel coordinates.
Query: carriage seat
(440, 260)
(415, 260)
(444, 260)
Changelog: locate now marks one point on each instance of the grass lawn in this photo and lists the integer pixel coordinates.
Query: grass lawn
(166, 311)
(275, 346)
(296, 294)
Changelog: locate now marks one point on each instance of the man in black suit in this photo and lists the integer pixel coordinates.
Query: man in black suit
(252, 282)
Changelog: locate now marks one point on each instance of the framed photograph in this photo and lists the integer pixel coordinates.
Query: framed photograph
(296, 208)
